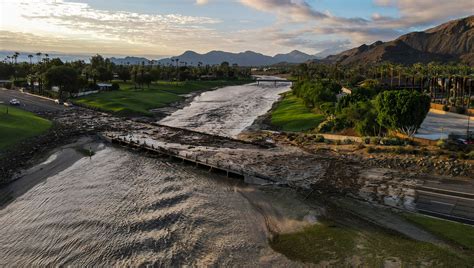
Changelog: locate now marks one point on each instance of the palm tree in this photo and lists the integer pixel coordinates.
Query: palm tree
(15, 56)
(38, 55)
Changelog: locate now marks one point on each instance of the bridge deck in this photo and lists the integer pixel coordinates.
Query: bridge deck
(274, 80)
(216, 167)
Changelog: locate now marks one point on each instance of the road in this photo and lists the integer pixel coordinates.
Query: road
(439, 124)
(29, 102)
(452, 200)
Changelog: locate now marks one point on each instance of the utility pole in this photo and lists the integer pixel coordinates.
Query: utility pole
(468, 124)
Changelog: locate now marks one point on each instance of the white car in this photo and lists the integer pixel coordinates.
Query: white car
(15, 102)
(68, 104)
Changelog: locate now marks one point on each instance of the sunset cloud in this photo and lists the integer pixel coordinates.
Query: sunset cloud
(147, 27)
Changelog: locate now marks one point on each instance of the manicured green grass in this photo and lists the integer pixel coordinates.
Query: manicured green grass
(292, 115)
(131, 101)
(339, 245)
(18, 125)
(455, 232)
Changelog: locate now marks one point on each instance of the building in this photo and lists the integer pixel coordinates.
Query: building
(104, 86)
(5, 83)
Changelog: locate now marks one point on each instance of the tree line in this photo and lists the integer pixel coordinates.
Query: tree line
(70, 77)
(377, 102)
(449, 84)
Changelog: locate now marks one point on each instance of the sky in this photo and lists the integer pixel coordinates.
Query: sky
(158, 28)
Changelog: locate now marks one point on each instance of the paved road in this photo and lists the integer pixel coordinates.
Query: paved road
(438, 125)
(28, 102)
(453, 200)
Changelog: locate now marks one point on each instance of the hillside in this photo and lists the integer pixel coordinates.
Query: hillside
(451, 41)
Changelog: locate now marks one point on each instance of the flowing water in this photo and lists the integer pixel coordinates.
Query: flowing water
(124, 209)
(229, 110)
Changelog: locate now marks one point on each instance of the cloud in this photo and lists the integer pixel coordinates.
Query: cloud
(69, 26)
(73, 22)
(202, 2)
(425, 12)
(296, 10)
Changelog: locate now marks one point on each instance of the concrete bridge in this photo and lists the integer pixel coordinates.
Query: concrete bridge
(275, 81)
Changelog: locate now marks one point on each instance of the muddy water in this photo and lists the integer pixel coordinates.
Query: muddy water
(125, 209)
(120, 208)
(229, 110)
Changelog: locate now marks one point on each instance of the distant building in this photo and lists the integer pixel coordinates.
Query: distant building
(4, 83)
(104, 86)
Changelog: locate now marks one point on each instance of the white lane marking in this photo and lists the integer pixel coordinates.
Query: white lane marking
(442, 203)
(445, 195)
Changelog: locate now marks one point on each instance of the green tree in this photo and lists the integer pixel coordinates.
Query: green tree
(64, 77)
(402, 110)
(363, 116)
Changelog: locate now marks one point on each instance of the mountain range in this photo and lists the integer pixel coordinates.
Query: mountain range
(449, 42)
(247, 58)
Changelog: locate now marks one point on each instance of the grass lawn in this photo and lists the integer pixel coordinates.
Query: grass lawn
(340, 245)
(18, 125)
(131, 101)
(292, 115)
(455, 232)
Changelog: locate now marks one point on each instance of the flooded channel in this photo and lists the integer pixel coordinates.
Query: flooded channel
(122, 208)
(229, 110)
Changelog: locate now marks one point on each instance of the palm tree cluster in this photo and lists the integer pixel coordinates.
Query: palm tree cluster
(451, 85)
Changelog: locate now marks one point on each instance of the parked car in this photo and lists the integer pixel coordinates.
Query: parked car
(57, 101)
(15, 102)
(68, 104)
(464, 141)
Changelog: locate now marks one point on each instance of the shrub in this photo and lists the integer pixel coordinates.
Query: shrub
(470, 155)
(441, 144)
(362, 116)
(375, 140)
(319, 138)
(367, 140)
(460, 110)
(348, 141)
(446, 108)
(327, 108)
(115, 86)
(392, 141)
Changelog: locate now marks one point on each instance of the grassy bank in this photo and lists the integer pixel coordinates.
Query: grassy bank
(457, 233)
(345, 246)
(291, 114)
(131, 101)
(18, 125)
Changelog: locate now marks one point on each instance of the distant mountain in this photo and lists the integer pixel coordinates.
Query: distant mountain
(247, 58)
(294, 56)
(327, 52)
(451, 41)
(130, 61)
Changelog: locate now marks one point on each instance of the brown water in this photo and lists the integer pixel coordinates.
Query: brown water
(228, 110)
(121, 208)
